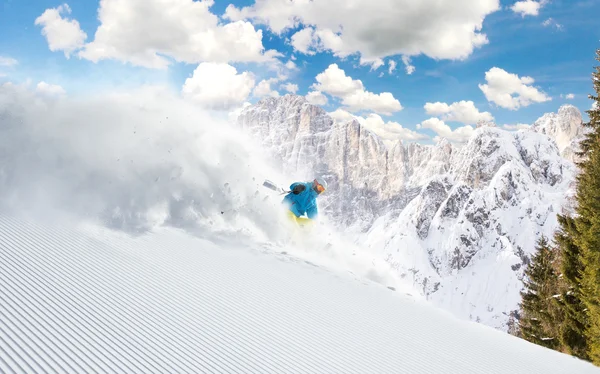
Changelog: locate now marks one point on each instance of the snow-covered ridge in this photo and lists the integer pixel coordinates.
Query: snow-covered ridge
(459, 221)
(564, 127)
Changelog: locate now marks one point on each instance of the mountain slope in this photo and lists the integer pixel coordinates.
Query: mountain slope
(477, 223)
(458, 221)
(81, 298)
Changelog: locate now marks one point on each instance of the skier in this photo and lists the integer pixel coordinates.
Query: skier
(302, 199)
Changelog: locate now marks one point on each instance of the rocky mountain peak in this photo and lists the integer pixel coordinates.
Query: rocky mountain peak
(564, 127)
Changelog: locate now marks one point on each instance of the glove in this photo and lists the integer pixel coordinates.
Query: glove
(298, 189)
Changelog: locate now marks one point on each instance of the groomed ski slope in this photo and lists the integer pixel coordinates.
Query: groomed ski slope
(83, 299)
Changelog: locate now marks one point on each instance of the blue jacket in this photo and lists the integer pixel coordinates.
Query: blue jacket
(302, 199)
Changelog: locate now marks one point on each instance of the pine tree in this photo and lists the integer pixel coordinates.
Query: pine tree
(539, 312)
(587, 222)
(574, 323)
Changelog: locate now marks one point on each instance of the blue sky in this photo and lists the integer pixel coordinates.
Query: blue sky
(553, 42)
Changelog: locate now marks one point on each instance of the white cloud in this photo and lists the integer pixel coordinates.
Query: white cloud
(218, 86)
(50, 89)
(551, 22)
(309, 41)
(143, 32)
(316, 98)
(567, 96)
(392, 67)
(342, 116)
(390, 131)
(438, 29)
(383, 103)
(263, 88)
(460, 135)
(409, 68)
(518, 126)
(501, 86)
(290, 87)
(291, 65)
(302, 41)
(462, 111)
(8, 61)
(528, 7)
(335, 82)
(375, 63)
(61, 33)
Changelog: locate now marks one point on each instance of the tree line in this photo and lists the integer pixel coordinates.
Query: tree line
(560, 302)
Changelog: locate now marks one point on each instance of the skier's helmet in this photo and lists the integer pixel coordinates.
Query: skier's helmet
(320, 185)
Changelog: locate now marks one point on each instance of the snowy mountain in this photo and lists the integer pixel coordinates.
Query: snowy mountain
(458, 221)
(364, 175)
(564, 128)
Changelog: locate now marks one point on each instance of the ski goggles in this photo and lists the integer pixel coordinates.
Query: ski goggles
(318, 187)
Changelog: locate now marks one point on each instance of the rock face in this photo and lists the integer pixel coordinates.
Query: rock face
(564, 128)
(459, 221)
(363, 174)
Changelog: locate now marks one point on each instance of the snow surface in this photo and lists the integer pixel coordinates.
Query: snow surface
(83, 298)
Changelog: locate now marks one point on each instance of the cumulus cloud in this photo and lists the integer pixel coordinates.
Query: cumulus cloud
(462, 111)
(567, 96)
(518, 126)
(61, 33)
(335, 82)
(528, 7)
(438, 29)
(316, 98)
(8, 61)
(150, 32)
(303, 40)
(263, 88)
(218, 86)
(50, 89)
(389, 131)
(342, 116)
(290, 87)
(459, 135)
(310, 41)
(501, 86)
(291, 65)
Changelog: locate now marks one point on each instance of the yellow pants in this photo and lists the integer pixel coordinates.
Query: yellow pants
(300, 221)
